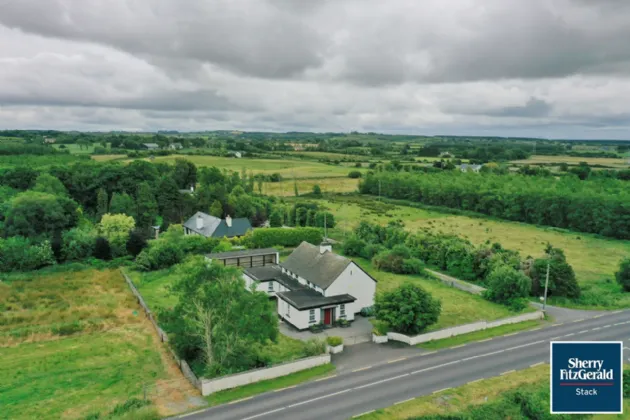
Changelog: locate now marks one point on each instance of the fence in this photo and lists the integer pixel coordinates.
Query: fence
(462, 329)
(457, 283)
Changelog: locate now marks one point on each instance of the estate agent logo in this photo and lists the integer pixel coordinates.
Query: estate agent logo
(586, 377)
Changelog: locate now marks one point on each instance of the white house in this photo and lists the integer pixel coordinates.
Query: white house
(314, 285)
(464, 167)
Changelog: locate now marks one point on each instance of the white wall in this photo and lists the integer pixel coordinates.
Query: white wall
(261, 287)
(357, 283)
(298, 319)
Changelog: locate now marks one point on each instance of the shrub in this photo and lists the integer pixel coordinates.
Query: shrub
(506, 285)
(354, 174)
(367, 311)
(102, 250)
(562, 280)
(371, 250)
(161, 254)
(626, 383)
(334, 341)
(314, 347)
(408, 309)
(317, 191)
(264, 238)
(19, 254)
(136, 243)
(275, 220)
(353, 247)
(379, 327)
(78, 244)
(623, 275)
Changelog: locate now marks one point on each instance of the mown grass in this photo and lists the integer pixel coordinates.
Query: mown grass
(574, 160)
(458, 307)
(458, 399)
(480, 335)
(247, 391)
(76, 149)
(105, 158)
(288, 168)
(594, 259)
(305, 186)
(75, 343)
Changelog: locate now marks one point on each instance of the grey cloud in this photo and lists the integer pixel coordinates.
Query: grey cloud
(533, 108)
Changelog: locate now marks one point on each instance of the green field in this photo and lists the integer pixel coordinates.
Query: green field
(574, 160)
(75, 149)
(305, 186)
(288, 168)
(75, 343)
(38, 161)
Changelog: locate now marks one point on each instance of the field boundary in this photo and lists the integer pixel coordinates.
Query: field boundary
(210, 386)
(462, 329)
(457, 283)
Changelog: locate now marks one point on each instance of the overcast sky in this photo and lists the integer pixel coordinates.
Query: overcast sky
(548, 68)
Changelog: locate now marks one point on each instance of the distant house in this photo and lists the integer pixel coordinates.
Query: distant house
(49, 140)
(175, 146)
(469, 168)
(314, 285)
(188, 191)
(150, 146)
(235, 154)
(212, 227)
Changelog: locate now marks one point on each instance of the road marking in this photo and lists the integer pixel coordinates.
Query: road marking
(327, 377)
(456, 347)
(616, 312)
(476, 380)
(441, 390)
(404, 401)
(568, 335)
(434, 367)
(507, 372)
(363, 414)
(579, 320)
(509, 335)
(282, 389)
(606, 326)
(487, 339)
(363, 368)
(191, 414)
(557, 325)
(241, 400)
(537, 364)
(555, 338)
(264, 414)
(396, 360)
(482, 355)
(583, 331)
(426, 354)
(534, 329)
(597, 328)
(381, 381)
(318, 398)
(599, 316)
(619, 323)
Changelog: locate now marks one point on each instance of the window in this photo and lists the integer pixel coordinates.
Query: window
(288, 311)
(342, 311)
(270, 287)
(311, 316)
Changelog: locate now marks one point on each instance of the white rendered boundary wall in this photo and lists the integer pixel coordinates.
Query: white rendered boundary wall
(210, 386)
(462, 329)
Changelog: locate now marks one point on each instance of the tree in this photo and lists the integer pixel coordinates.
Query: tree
(102, 251)
(275, 220)
(170, 200)
(33, 213)
(562, 280)
(102, 202)
(355, 174)
(184, 173)
(506, 285)
(115, 228)
(408, 309)
(147, 208)
(47, 183)
(56, 245)
(122, 203)
(623, 275)
(317, 191)
(78, 244)
(216, 209)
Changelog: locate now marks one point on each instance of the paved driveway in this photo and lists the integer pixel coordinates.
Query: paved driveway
(359, 332)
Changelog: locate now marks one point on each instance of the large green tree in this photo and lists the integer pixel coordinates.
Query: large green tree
(147, 208)
(507, 285)
(623, 275)
(122, 203)
(562, 281)
(33, 213)
(49, 184)
(170, 200)
(408, 309)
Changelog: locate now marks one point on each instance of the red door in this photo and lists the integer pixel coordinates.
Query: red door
(328, 316)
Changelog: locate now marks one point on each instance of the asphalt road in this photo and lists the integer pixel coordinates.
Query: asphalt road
(378, 386)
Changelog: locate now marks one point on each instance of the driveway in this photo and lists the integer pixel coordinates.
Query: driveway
(359, 332)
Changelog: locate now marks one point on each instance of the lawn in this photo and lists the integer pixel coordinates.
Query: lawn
(288, 168)
(593, 258)
(458, 307)
(106, 158)
(574, 160)
(458, 399)
(75, 343)
(76, 149)
(305, 186)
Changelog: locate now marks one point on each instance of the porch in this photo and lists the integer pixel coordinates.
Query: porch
(360, 331)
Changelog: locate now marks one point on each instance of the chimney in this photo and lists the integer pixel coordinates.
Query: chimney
(228, 220)
(199, 222)
(325, 246)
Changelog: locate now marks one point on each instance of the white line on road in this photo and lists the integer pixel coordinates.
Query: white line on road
(535, 329)
(507, 372)
(599, 316)
(441, 390)
(583, 331)
(397, 360)
(404, 401)
(456, 347)
(363, 414)
(606, 326)
(426, 354)
(363, 368)
(487, 339)
(319, 398)
(327, 377)
(434, 367)
(282, 389)
(555, 338)
(579, 320)
(482, 355)
(568, 335)
(616, 312)
(596, 328)
(476, 380)
(264, 414)
(381, 381)
(241, 400)
(509, 335)
(537, 364)
(557, 325)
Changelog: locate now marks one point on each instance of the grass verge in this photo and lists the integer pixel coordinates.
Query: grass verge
(248, 391)
(480, 335)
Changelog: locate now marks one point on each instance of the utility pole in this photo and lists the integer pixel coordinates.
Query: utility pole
(546, 286)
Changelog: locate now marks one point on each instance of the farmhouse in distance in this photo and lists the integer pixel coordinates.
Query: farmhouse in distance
(212, 227)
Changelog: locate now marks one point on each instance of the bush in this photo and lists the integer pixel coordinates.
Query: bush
(317, 191)
(67, 329)
(367, 311)
(355, 174)
(623, 275)
(562, 281)
(78, 244)
(506, 285)
(353, 247)
(379, 327)
(626, 383)
(264, 238)
(161, 254)
(334, 341)
(408, 309)
(102, 250)
(19, 254)
(314, 347)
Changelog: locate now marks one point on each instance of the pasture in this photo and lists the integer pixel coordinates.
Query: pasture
(77, 149)
(75, 343)
(594, 258)
(288, 168)
(574, 160)
(305, 186)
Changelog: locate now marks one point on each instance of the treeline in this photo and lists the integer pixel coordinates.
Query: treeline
(601, 206)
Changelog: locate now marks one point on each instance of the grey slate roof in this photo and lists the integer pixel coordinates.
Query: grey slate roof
(306, 298)
(242, 253)
(320, 269)
(217, 228)
(274, 272)
(151, 145)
